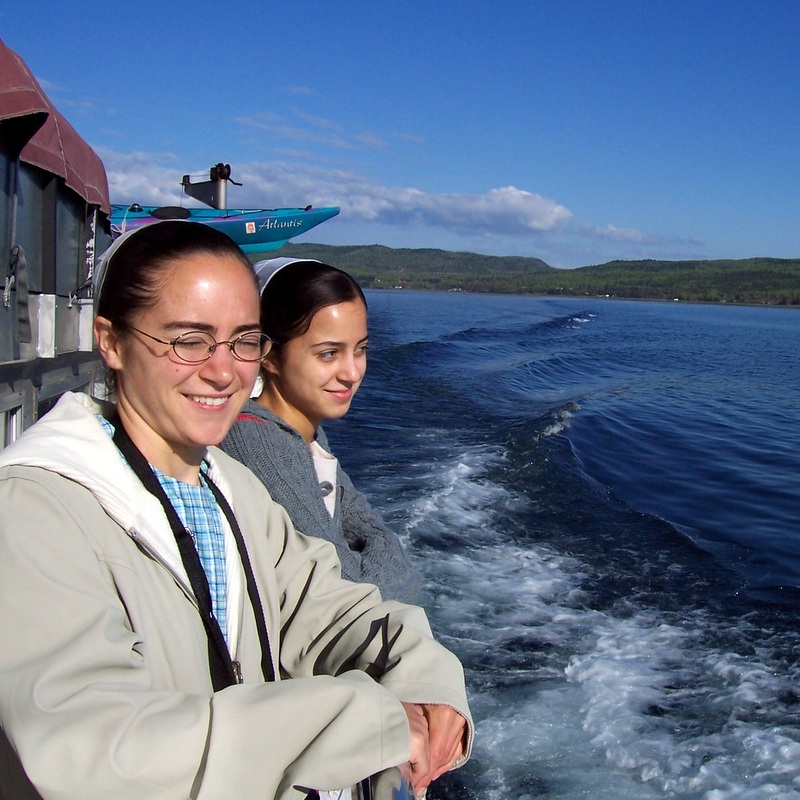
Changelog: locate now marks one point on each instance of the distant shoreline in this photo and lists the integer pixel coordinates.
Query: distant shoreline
(787, 307)
(741, 282)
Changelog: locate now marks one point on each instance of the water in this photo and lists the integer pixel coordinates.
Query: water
(603, 498)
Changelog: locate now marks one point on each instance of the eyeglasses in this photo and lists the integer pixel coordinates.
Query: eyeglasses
(195, 347)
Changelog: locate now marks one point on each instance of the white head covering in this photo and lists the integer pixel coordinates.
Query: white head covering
(267, 269)
(101, 270)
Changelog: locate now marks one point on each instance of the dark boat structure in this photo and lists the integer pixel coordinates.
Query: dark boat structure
(54, 209)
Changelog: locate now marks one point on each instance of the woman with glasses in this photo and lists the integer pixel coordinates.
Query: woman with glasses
(166, 632)
(316, 316)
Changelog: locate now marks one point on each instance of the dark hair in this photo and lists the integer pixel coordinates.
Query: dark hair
(297, 292)
(134, 269)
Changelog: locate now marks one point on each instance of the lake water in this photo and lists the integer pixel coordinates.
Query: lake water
(604, 499)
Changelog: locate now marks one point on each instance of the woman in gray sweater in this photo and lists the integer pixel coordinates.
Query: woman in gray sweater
(316, 316)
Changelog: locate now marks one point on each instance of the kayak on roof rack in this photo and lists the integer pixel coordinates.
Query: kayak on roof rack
(253, 229)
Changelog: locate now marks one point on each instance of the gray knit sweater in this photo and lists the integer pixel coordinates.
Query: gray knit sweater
(279, 456)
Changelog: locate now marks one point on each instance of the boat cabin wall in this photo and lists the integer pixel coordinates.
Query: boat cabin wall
(51, 237)
(56, 235)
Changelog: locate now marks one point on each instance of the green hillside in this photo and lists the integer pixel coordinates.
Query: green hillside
(772, 281)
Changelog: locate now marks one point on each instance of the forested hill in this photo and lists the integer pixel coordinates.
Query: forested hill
(774, 281)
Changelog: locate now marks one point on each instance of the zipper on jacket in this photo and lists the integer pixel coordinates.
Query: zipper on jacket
(237, 671)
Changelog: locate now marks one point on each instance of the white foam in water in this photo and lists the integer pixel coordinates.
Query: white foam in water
(561, 422)
(622, 676)
(459, 496)
(492, 600)
(654, 709)
(572, 702)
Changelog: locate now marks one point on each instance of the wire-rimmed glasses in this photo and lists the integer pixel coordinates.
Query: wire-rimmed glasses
(195, 347)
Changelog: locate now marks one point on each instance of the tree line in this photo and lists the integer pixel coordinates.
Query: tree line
(770, 281)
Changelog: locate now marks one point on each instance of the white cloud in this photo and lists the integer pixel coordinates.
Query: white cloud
(499, 211)
(293, 133)
(632, 242)
(410, 137)
(153, 179)
(319, 130)
(502, 220)
(317, 122)
(614, 234)
(506, 210)
(371, 141)
(146, 178)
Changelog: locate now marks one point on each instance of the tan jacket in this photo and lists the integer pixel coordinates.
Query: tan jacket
(105, 690)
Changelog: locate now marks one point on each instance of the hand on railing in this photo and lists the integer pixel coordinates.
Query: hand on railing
(437, 743)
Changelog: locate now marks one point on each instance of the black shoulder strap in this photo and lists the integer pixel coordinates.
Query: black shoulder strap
(219, 659)
(252, 587)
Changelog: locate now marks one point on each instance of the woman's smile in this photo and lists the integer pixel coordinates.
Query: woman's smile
(341, 394)
(315, 376)
(210, 401)
(174, 409)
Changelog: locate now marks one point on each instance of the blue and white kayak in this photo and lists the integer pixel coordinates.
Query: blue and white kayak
(254, 230)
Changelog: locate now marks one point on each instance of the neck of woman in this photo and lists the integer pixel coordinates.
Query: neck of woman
(178, 460)
(272, 399)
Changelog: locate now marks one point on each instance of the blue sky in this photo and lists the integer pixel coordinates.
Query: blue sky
(570, 130)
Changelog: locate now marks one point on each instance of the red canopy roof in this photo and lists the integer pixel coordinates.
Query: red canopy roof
(55, 146)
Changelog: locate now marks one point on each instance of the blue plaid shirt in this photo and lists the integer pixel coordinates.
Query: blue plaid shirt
(197, 509)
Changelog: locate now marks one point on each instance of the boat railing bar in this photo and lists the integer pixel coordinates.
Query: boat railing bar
(28, 389)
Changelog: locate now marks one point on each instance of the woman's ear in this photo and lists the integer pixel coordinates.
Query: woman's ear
(269, 365)
(108, 342)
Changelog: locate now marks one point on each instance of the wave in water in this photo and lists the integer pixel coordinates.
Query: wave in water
(647, 702)
(607, 655)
